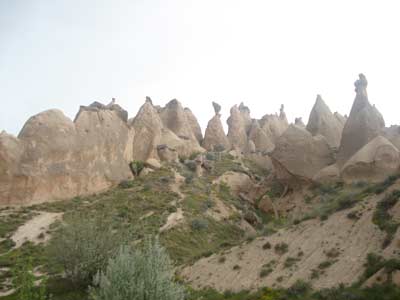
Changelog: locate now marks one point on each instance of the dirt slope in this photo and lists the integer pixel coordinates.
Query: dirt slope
(335, 249)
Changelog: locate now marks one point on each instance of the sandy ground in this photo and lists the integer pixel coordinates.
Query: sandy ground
(309, 244)
(34, 228)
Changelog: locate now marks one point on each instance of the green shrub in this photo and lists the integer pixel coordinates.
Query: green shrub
(83, 246)
(24, 282)
(136, 167)
(199, 224)
(191, 165)
(281, 248)
(290, 262)
(145, 274)
(126, 184)
(383, 219)
(265, 272)
(266, 246)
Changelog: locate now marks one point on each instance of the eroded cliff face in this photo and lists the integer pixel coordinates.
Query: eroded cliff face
(54, 158)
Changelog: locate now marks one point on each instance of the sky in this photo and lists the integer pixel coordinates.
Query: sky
(66, 53)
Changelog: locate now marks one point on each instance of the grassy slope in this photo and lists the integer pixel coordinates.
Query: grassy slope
(151, 194)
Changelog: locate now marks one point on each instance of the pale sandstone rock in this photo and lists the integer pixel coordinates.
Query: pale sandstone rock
(194, 125)
(374, 162)
(215, 135)
(364, 123)
(237, 134)
(302, 154)
(329, 174)
(61, 159)
(262, 141)
(323, 122)
(153, 164)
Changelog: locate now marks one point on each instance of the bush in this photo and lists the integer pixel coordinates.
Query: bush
(199, 224)
(383, 219)
(281, 248)
(266, 246)
(138, 274)
(84, 246)
(24, 282)
(136, 167)
(191, 165)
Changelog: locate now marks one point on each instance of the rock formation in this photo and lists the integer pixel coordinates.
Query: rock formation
(237, 123)
(302, 154)
(323, 122)
(363, 124)
(54, 158)
(260, 138)
(299, 122)
(215, 135)
(194, 125)
(373, 163)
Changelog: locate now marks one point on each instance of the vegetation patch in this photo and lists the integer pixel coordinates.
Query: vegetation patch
(382, 217)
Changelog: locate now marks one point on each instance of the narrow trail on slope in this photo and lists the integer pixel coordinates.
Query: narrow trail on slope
(177, 217)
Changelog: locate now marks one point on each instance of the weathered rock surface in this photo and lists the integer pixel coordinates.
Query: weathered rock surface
(374, 162)
(302, 154)
(194, 125)
(260, 138)
(299, 122)
(237, 125)
(364, 123)
(329, 174)
(392, 133)
(323, 122)
(59, 159)
(215, 135)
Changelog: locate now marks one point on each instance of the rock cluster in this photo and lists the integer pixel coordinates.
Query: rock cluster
(56, 158)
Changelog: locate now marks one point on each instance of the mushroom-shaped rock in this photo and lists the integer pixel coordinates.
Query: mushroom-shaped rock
(302, 154)
(323, 122)
(363, 124)
(214, 136)
(374, 162)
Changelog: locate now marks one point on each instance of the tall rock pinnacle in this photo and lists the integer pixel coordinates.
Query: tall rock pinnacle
(364, 123)
(322, 121)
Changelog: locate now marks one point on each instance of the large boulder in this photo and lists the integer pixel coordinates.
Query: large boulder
(374, 162)
(323, 122)
(327, 175)
(300, 153)
(363, 124)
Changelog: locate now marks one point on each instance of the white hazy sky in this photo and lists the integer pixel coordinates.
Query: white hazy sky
(66, 53)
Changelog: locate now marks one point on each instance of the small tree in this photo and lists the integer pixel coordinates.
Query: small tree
(145, 274)
(84, 246)
(24, 282)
